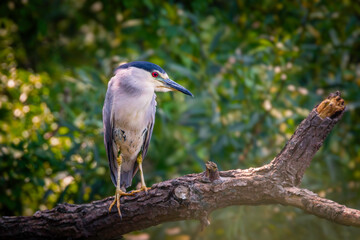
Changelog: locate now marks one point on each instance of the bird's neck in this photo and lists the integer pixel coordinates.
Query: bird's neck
(133, 111)
(142, 101)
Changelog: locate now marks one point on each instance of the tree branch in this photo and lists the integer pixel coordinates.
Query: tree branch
(296, 156)
(321, 207)
(195, 196)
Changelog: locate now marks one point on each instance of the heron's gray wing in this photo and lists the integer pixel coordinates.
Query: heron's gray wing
(148, 134)
(150, 127)
(108, 136)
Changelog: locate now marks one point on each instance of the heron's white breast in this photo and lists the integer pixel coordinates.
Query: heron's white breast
(132, 113)
(131, 118)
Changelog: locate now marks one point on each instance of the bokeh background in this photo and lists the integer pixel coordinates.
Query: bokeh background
(256, 69)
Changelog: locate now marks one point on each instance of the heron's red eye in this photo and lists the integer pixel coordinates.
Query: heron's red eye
(155, 74)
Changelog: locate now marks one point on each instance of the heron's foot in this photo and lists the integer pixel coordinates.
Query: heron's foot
(143, 188)
(118, 194)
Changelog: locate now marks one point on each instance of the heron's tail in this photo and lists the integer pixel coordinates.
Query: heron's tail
(126, 179)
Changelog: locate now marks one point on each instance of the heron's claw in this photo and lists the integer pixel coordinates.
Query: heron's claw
(143, 188)
(118, 194)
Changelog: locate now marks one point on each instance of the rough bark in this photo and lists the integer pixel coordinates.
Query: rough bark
(195, 196)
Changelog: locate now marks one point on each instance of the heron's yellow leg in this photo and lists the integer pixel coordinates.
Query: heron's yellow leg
(143, 185)
(118, 192)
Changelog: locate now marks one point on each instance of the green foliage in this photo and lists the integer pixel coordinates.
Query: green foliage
(256, 69)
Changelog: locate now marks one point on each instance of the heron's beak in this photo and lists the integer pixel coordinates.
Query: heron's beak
(177, 87)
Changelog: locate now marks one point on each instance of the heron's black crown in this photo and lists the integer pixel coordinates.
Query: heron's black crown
(147, 66)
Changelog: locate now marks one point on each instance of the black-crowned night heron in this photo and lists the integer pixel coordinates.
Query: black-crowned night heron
(129, 117)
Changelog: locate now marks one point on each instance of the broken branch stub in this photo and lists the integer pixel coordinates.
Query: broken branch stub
(211, 171)
(332, 106)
